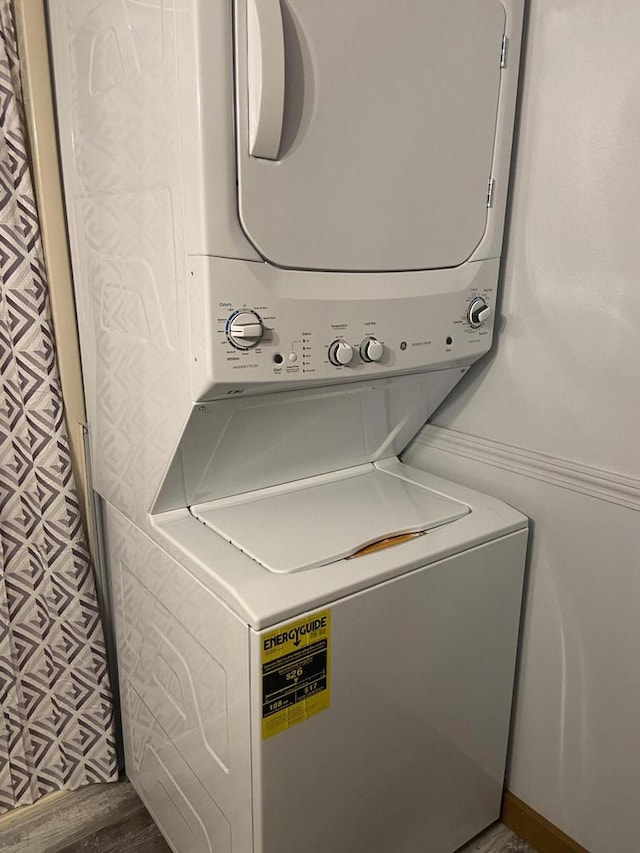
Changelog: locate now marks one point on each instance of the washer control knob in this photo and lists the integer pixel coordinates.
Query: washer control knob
(245, 329)
(340, 353)
(478, 313)
(371, 350)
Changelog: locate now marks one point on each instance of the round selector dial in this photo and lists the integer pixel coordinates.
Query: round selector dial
(340, 353)
(478, 313)
(245, 329)
(371, 350)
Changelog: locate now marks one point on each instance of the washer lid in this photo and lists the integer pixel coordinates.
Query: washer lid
(324, 519)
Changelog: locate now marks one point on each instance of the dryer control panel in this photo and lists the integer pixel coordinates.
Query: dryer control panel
(286, 327)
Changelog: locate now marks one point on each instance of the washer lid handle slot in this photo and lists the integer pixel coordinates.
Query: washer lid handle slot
(383, 544)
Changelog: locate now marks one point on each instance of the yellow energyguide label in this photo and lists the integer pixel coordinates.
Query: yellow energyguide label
(295, 672)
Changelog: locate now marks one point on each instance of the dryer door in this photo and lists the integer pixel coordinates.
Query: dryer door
(365, 129)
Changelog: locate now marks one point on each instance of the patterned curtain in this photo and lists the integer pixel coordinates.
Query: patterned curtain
(56, 728)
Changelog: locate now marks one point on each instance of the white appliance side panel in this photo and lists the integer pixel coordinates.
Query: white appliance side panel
(388, 135)
(410, 755)
(183, 662)
(117, 102)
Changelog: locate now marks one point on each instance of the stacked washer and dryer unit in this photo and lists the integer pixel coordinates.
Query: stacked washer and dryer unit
(286, 220)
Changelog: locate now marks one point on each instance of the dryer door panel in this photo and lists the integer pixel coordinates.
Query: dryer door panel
(372, 126)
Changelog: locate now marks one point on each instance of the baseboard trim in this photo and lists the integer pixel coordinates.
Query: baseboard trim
(564, 473)
(536, 830)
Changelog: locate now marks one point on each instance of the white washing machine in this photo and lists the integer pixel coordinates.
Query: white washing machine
(286, 222)
(288, 695)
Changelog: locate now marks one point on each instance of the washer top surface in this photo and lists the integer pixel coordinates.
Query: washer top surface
(320, 520)
(263, 598)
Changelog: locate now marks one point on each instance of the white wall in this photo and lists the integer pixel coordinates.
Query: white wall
(551, 420)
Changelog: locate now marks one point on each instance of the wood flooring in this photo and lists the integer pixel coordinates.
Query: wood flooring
(497, 839)
(112, 819)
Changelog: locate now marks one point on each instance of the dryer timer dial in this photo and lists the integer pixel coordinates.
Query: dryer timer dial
(479, 312)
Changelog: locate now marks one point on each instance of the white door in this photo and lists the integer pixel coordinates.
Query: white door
(365, 129)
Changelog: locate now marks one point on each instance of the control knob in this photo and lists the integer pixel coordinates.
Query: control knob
(245, 329)
(371, 350)
(478, 313)
(340, 353)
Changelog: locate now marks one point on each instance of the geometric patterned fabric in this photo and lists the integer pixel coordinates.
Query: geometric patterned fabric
(56, 712)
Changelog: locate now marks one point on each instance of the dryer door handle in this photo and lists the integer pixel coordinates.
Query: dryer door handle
(266, 64)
